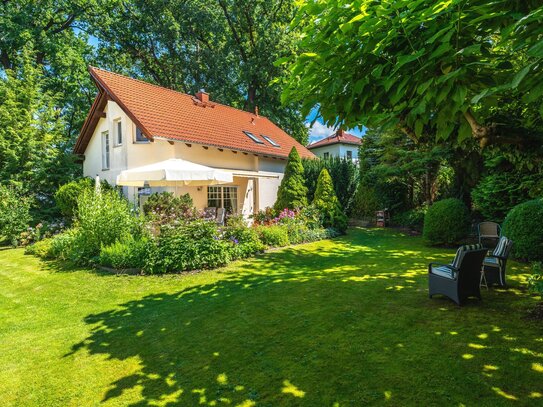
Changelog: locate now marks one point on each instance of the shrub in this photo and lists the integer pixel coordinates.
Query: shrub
(366, 201)
(126, 253)
(292, 192)
(524, 226)
(244, 240)
(101, 219)
(327, 204)
(412, 219)
(264, 217)
(41, 231)
(14, 214)
(497, 194)
(164, 208)
(195, 245)
(62, 245)
(67, 195)
(446, 222)
(535, 281)
(42, 248)
(274, 235)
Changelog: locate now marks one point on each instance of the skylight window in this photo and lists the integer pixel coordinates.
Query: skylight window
(269, 140)
(253, 137)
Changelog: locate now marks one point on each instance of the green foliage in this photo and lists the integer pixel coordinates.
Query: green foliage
(424, 66)
(274, 235)
(365, 202)
(102, 218)
(524, 226)
(412, 219)
(163, 208)
(63, 246)
(195, 245)
(14, 214)
(67, 195)
(292, 193)
(497, 193)
(446, 222)
(344, 173)
(535, 280)
(42, 248)
(126, 253)
(244, 240)
(327, 204)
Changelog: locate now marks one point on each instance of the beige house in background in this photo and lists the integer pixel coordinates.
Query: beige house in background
(133, 124)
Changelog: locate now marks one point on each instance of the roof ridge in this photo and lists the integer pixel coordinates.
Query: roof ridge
(173, 90)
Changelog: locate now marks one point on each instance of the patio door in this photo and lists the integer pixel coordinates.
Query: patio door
(223, 197)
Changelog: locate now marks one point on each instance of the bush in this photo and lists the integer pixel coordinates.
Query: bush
(41, 231)
(42, 248)
(195, 245)
(366, 201)
(412, 219)
(244, 240)
(125, 254)
(497, 194)
(524, 226)
(327, 204)
(292, 192)
(67, 195)
(535, 281)
(446, 222)
(265, 217)
(63, 245)
(164, 208)
(101, 219)
(274, 235)
(14, 214)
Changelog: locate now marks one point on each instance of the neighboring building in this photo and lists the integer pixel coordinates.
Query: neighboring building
(133, 123)
(339, 144)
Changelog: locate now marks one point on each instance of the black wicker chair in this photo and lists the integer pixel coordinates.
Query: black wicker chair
(460, 279)
(494, 265)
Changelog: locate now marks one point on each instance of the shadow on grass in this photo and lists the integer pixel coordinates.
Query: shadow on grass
(345, 323)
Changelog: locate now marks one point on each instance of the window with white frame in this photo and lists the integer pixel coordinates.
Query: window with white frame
(349, 155)
(140, 137)
(105, 151)
(118, 130)
(326, 156)
(223, 197)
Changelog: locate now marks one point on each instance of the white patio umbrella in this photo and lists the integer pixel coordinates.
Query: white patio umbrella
(173, 172)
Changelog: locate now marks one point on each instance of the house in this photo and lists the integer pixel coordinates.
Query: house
(339, 144)
(133, 124)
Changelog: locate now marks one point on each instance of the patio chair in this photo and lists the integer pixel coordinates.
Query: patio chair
(221, 214)
(488, 230)
(494, 264)
(460, 279)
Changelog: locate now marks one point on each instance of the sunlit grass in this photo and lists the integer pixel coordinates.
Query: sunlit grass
(346, 322)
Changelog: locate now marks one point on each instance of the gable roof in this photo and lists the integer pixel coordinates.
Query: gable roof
(165, 113)
(338, 137)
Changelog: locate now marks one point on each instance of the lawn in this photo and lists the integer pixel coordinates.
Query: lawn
(344, 322)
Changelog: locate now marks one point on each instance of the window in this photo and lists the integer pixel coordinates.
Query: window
(105, 150)
(326, 156)
(253, 137)
(269, 140)
(223, 197)
(117, 125)
(140, 137)
(349, 155)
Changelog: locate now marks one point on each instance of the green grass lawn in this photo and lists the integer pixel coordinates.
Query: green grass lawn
(334, 323)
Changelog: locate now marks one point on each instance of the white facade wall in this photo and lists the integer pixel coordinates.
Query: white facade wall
(336, 150)
(253, 193)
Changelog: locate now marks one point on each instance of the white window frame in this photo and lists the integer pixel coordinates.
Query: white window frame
(119, 136)
(136, 141)
(106, 151)
(326, 155)
(220, 196)
(349, 153)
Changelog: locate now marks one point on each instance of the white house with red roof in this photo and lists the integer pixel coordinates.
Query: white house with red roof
(134, 124)
(339, 144)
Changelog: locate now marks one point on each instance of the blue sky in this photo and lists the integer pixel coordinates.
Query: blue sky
(320, 130)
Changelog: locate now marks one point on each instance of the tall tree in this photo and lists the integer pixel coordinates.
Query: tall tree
(426, 67)
(292, 193)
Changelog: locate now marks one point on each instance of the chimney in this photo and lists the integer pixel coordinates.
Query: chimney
(340, 133)
(256, 111)
(202, 96)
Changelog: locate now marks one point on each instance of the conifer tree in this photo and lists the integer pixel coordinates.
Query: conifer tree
(327, 203)
(292, 193)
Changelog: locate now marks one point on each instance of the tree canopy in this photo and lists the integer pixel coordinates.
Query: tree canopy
(436, 68)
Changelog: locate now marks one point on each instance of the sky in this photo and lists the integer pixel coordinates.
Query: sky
(319, 130)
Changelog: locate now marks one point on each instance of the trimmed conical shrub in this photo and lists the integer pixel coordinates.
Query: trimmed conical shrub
(292, 192)
(327, 203)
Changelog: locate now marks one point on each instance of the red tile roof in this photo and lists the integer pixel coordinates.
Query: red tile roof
(162, 112)
(338, 137)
